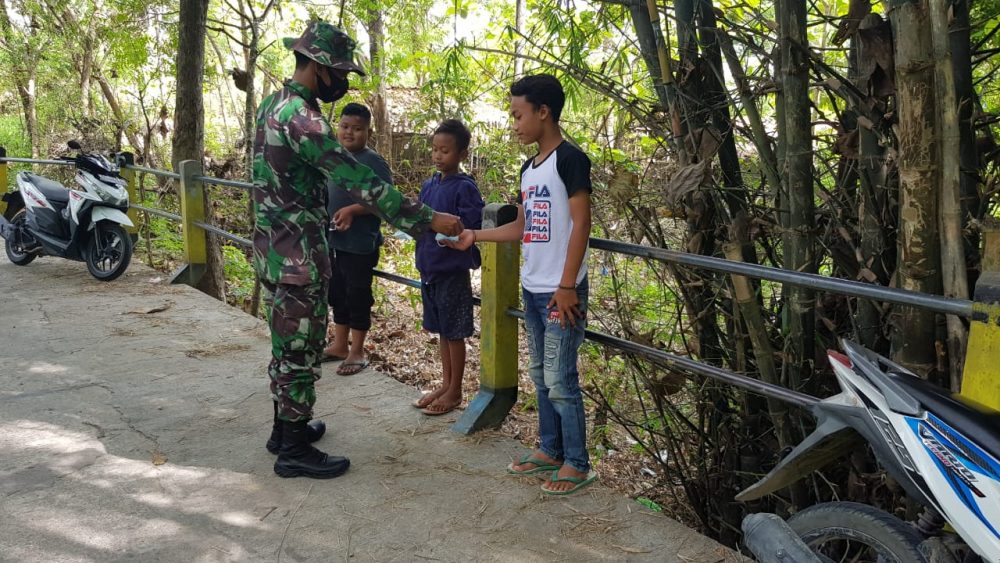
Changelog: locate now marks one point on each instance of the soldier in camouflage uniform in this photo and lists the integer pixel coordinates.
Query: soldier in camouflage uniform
(296, 154)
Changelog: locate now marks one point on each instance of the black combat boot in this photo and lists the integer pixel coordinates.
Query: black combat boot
(298, 459)
(316, 430)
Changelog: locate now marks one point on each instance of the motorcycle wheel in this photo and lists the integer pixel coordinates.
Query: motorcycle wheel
(15, 246)
(849, 531)
(109, 251)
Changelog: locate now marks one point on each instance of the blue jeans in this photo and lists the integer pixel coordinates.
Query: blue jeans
(562, 424)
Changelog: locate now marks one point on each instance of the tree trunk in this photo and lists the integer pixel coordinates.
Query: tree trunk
(961, 56)
(648, 48)
(189, 120)
(250, 101)
(914, 329)
(86, 72)
(780, 190)
(953, 272)
(871, 209)
(24, 71)
(798, 229)
(717, 99)
(26, 91)
(519, 41)
(109, 95)
(376, 72)
(249, 125)
(700, 205)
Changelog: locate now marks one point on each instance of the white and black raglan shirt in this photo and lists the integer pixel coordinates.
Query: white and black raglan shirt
(545, 192)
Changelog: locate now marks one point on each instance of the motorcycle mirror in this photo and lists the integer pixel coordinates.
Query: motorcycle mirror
(75, 145)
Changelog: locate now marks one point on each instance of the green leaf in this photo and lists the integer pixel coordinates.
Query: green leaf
(649, 504)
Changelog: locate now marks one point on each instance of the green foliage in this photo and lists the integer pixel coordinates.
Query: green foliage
(239, 273)
(12, 136)
(649, 504)
(166, 235)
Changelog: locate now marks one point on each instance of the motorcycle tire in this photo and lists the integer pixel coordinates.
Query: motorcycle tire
(849, 531)
(108, 251)
(15, 252)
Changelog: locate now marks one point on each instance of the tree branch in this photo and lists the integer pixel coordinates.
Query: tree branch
(267, 9)
(227, 34)
(227, 24)
(586, 78)
(627, 3)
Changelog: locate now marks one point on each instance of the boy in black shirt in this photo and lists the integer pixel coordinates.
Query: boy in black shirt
(355, 238)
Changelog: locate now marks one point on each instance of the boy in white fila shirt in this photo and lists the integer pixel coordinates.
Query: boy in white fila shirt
(553, 223)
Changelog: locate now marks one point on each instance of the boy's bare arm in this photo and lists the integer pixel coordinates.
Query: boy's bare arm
(504, 233)
(565, 298)
(579, 238)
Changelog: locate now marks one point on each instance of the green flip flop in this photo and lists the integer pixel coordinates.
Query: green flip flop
(577, 482)
(540, 466)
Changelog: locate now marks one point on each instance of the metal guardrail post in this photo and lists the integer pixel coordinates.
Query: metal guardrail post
(3, 180)
(192, 196)
(498, 330)
(981, 376)
(124, 159)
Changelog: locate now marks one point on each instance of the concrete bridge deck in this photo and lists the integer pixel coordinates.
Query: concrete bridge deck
(132, 422)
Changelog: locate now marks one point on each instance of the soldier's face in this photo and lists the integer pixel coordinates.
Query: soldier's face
(331, 83)
(353, 132)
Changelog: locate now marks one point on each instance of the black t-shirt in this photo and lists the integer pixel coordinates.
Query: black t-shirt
(365, 234)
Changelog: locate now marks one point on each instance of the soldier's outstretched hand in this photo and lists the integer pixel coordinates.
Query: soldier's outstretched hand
(446, 224)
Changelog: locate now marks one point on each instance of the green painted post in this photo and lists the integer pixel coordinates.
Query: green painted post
(3, 180)
(192, 194)
(981, 374)
(125, 159)
(498, 330)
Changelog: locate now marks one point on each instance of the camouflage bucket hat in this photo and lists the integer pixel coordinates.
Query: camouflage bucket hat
(327, 45)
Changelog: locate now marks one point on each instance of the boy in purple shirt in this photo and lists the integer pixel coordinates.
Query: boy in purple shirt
(446, 289)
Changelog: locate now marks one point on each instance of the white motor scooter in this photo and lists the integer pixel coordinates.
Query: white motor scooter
(44, 218)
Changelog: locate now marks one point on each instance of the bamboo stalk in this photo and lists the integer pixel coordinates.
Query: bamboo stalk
(953, 273)
(763, 353)
(918, 241)
(769, 161)
(799, 252)
(666, 78)
(762, 350)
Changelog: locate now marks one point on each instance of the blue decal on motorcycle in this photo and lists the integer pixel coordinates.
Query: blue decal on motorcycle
(953, 466)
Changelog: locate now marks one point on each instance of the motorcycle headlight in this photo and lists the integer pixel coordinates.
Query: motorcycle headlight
(111, 194)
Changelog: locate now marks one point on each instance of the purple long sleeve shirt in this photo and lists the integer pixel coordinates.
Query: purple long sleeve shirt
(459, 195)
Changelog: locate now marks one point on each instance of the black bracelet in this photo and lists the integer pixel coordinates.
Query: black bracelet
(571, 288)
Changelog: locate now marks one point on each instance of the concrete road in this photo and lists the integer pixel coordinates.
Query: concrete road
(133, 417)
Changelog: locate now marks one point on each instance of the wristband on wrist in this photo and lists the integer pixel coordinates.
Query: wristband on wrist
(569, 287)
(473, 236)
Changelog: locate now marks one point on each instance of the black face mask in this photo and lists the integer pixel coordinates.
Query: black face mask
(332, 91)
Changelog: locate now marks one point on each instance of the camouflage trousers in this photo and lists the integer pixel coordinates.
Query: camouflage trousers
(297, 317)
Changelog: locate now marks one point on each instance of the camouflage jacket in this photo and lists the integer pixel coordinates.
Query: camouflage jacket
(295, 154)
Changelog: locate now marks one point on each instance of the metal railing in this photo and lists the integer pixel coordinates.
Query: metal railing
(194, 226)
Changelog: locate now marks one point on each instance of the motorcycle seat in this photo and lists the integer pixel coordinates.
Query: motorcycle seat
(980, 425)
(52, 190)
